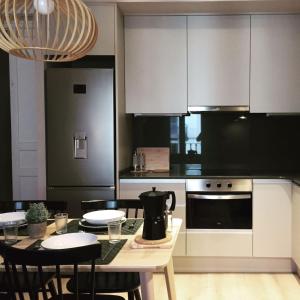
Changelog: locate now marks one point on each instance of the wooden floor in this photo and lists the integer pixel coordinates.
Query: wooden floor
(230, 287)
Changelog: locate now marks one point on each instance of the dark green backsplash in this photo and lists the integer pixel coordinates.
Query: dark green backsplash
(224, 141)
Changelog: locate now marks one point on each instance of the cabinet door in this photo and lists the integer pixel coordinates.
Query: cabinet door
(218, 60)
(272, 218)
(156, 64)
(27, 129)
(105, 17)
(296, 225)
(275, 63)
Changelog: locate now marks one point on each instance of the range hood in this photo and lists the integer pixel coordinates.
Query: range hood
(198, 109)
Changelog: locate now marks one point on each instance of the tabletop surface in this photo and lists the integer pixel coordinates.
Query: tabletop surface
(128, 259)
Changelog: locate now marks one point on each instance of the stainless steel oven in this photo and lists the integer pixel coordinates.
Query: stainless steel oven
(219, 204)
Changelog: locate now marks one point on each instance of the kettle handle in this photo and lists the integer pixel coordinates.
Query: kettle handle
(173, 200)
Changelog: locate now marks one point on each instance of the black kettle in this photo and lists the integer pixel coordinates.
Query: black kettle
(155, 218)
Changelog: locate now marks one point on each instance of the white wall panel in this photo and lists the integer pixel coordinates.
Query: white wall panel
(28, 159)
(28, 188)
(27, 129)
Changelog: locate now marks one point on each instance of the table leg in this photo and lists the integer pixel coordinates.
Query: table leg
(147, 285)
(169, 276)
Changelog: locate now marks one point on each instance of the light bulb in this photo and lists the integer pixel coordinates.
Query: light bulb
(44, 7)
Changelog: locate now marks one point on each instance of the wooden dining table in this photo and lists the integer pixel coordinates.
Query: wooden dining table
(146, 261)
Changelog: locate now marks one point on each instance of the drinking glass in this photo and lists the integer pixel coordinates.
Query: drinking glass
(61, 221)
(114, 231)
(10, 233)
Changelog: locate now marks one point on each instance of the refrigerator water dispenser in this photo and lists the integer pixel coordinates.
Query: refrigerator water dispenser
(80, 145)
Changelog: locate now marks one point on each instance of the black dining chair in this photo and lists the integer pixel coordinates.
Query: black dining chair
(19, 260)
(8, 206)
(6, 289)
(112, 282)
(22, 205)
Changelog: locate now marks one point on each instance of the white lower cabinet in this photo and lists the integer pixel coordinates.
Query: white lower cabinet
(132, 188)
(296, 225)
(271, 236)
(223, 243)
(272, 213)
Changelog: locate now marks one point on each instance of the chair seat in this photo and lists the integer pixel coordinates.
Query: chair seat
(87, 297)
(111, 282)
(33, 279)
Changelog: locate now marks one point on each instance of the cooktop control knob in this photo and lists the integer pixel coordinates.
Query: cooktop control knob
(208, 185)
(219, 185)
(229, 185)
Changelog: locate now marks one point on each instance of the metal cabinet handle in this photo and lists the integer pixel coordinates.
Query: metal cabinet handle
(219, 197)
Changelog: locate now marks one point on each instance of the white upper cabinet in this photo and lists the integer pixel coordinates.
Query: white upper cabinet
(156, 64)
(275, 63)
(218, 60)
(105, 17)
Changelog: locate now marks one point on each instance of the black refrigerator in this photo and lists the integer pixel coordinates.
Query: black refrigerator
(80, 135)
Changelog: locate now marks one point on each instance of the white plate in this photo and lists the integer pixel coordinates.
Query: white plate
(103, 216)
(69, 240)
(85, 224)
(12, 217)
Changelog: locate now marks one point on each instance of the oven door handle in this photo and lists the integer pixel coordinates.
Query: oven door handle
(219, 197)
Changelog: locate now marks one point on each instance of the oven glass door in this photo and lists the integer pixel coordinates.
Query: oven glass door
(219, 211)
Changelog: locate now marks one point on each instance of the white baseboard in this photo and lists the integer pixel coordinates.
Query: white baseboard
(232, 264)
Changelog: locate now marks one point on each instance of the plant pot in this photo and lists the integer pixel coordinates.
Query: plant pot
(36, 231)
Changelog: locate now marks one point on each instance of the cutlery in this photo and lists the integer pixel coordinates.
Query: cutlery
(131, 226)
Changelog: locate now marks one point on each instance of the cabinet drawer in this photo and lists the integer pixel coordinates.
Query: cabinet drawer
(219, 243)
(132, 188)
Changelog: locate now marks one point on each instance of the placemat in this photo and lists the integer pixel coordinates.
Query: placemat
(129, 227)
(108, 251)
(23, 230)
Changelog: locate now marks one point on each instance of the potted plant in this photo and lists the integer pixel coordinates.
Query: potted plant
(36, 217)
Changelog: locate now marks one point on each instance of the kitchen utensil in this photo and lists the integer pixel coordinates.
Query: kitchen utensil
(156, 220)
(61, 221)
(69, 240)
(83, 223)
(10, 231)
(103, 216)
(16, 216)
(114, 231)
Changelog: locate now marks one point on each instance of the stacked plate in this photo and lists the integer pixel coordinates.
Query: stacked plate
(16, 217)
(99, 219)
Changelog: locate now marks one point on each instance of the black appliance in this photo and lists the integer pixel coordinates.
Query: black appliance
(80, 135)
(219, 204)
(155, 218)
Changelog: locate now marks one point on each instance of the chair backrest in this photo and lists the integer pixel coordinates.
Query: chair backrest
(14, 257)
(21, 205)
(132, 207)
(7, 206)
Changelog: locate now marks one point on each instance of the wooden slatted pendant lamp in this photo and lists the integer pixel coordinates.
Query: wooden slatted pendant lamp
(47, 30)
